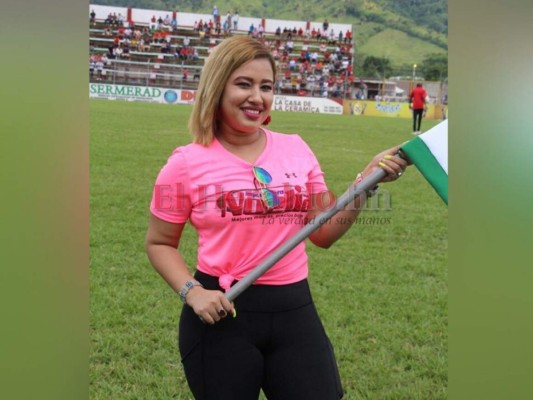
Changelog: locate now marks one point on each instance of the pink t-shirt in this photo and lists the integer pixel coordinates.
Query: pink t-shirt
(218, 193)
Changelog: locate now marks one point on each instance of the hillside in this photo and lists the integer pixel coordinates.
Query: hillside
(405, 31)
(433, 14)
(399, 47)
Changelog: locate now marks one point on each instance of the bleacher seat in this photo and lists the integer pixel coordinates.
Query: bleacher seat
(154, 67)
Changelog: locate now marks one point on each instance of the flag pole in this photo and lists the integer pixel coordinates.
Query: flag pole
(353, 191)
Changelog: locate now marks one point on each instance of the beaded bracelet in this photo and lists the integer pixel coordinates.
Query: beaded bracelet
(188, 286)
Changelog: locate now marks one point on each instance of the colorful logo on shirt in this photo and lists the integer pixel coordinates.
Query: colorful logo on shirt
(250, 202)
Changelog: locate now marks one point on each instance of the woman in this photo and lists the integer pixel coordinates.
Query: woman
(238, 184)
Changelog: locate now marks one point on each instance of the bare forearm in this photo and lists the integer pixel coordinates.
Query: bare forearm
(333, 229)
(337, 226)
(169, 263)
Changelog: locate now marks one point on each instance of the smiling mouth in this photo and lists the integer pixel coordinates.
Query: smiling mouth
(254, 114)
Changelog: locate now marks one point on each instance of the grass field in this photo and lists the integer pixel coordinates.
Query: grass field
(381, 290)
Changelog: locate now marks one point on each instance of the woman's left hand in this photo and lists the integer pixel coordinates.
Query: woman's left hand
(391, 163)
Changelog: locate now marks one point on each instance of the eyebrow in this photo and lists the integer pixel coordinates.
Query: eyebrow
(251, 80)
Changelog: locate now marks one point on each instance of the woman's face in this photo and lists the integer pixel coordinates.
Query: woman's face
(247, 98)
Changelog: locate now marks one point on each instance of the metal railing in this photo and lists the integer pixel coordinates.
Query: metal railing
(137, 73)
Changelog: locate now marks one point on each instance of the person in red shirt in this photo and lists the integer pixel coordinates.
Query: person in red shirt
(348, 37)
(418, 101)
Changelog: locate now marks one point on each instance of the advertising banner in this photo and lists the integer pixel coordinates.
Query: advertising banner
(390, 109)
(141, 93)
(319, 105)
(306, 104)
(178, 96)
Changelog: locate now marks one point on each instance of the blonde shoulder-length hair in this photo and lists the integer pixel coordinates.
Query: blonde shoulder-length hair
(225, 58)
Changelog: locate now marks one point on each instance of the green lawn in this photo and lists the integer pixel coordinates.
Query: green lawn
(381, 290)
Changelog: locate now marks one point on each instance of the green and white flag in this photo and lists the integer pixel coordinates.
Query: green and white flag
(429, 153)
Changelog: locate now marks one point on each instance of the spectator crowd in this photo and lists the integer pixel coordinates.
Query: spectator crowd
(312, 62)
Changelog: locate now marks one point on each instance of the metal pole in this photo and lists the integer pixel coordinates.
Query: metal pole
(353, 191)
(414, 78)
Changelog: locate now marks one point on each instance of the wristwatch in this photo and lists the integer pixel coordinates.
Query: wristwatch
(188, 286)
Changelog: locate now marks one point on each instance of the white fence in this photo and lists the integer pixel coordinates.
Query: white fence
(187, 19)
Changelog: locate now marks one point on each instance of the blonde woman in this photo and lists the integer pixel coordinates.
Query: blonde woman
(238, 183)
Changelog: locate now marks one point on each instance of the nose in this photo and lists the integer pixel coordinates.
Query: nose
(255, 94)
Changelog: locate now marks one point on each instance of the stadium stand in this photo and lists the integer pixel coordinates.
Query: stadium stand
(151, 48)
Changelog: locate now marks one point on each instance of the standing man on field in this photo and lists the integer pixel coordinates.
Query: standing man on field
(417, 102)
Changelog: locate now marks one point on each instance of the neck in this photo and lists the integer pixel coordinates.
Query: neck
(248, 147)
(236, 140)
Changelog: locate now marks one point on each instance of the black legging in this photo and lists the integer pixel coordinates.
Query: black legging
(417, 118)
(276, 343)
